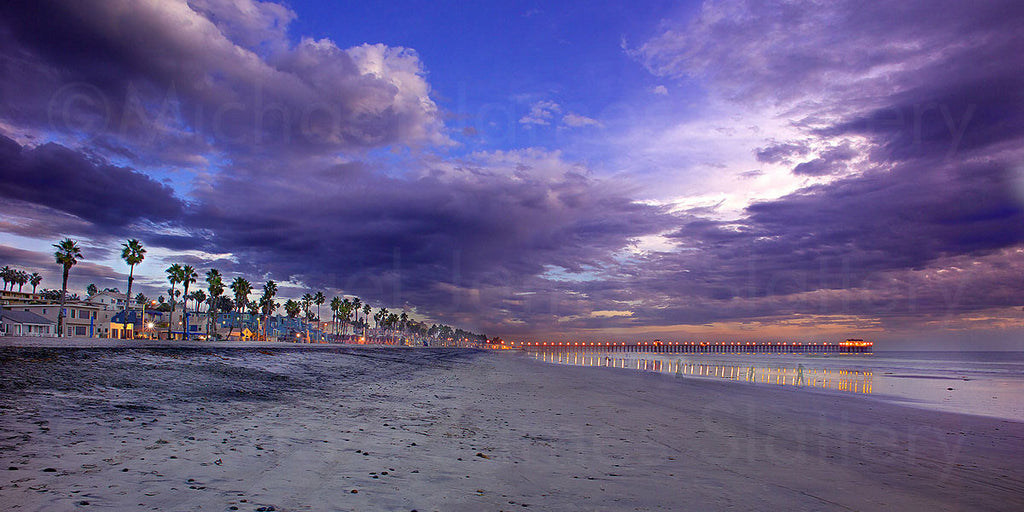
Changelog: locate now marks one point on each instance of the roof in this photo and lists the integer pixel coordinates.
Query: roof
(25, 317)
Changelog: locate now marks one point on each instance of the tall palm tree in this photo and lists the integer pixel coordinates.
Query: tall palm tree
(319, 299)
(366, 317)
(67, 256)
(200, 297)
(242, 289)
(267, 302)
(174, 275)
(307, 299)
(20, 277)
(5, 273)
(214, 285)
(356, 304)
(132, 252)
(390, 322)
(335, 311)
(35, 279)
(344, 312)
(188, 276)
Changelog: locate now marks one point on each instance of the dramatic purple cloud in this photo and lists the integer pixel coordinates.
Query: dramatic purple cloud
(146, 75)
(105, 195)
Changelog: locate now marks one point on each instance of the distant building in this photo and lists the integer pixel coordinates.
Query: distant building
(111, 300)
(8, 297)
(25, 323)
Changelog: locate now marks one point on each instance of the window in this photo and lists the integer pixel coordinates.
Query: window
(80, 330)
(72, 312)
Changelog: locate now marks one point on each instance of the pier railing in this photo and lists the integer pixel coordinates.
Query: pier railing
(843, 347)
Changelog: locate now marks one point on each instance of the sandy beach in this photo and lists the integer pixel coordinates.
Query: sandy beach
(284, 427)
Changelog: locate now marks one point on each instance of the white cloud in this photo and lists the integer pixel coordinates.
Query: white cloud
(660, 89)
(541, 113)
(576, 120)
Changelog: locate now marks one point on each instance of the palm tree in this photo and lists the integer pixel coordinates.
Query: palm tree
(292, 308)
(5, 273)
(21, 277)
(267, 302)
(366, 317)
(188, 276)
(335, 310)
(35, 279)
(174, 275)
(214, 285)
(67, 256)
(242, 289)
(356, 304)
(200, 297)
(344, 312)
(132, 252)
(307, 299)
(318, 299)
(389, 323)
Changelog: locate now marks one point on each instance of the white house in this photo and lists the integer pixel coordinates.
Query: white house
(25, 323)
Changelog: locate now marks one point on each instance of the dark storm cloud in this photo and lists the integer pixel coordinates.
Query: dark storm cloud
(900, 219)
(430, 242)
(171, 81)
(108, 196)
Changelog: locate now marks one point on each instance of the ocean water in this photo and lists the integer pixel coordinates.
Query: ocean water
(979, 383)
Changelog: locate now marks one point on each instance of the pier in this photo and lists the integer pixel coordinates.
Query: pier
(850, 346)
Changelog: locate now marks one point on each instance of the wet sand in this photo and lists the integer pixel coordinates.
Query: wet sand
(285, 427)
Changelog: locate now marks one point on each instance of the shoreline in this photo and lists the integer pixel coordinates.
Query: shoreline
(152, 428)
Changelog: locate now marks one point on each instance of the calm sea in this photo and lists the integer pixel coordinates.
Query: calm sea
(980, 383)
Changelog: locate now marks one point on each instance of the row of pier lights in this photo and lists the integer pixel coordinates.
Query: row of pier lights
(850, 346)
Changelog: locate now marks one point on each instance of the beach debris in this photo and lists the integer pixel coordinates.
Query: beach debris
(268, 508)
(49, 470)
(354, 491)
(481, 455)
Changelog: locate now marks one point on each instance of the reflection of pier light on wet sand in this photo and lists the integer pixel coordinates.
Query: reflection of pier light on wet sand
(851, 381)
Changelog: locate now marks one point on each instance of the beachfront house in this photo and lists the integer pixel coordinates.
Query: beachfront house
(81, 319)
(25, 323)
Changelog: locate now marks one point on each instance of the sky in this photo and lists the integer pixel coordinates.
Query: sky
(723, 170)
